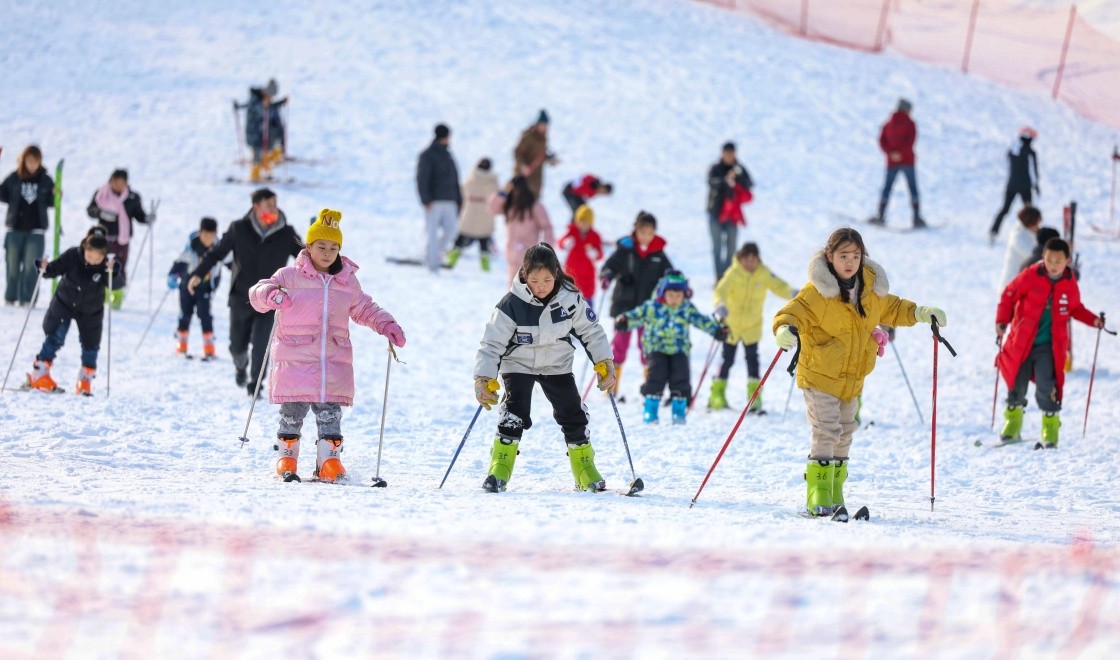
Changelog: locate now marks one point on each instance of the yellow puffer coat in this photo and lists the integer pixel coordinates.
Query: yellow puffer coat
(837, 350)
(743, 294)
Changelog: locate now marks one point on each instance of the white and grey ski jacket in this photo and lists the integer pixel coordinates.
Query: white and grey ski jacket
(528, 336)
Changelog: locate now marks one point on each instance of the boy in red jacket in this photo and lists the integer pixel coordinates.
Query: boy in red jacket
(1037, 305)
(585, 249)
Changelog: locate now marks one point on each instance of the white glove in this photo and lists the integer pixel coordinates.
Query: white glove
(785, 338)
(928, 314)
(720, 313)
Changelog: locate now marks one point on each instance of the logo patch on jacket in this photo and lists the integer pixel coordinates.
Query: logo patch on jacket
(559, 313)
(97, 277)
(523, 338)
(591, 315)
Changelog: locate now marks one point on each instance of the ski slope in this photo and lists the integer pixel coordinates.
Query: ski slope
(140, 521)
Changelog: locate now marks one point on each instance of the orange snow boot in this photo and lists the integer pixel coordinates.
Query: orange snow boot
(329, 465)
(208, 346)
(85, 381)
(181, 347)
(288, 446)
(40, 376)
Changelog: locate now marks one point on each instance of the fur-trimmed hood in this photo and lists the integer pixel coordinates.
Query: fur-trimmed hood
(874, 276)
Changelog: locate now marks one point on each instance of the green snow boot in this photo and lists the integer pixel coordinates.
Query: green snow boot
(484, 260)
(1013, 425)
(717, 399)
(819, 475)
(452, 258)
(756, 407)
(502, 456)
(582, 458)
(1050, 424)
(839, 476)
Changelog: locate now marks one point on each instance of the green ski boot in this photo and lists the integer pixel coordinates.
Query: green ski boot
(484, 260)
(819, 476)
(452, 258)
(717, 399)
(582, 458)
(1013, 425)
(502, 456)
(756, 407)
(839, 476)
(1050, 424)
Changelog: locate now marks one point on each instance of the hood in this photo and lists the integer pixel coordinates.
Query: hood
(874, 277)
(307, 269)
(656, 245)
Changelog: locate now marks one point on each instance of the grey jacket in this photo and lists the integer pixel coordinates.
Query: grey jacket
(528, 336)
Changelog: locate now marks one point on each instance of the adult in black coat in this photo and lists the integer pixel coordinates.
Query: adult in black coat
(437, 181)
(28, 192)
(261, 242)
(1022, 176)
(722, 177)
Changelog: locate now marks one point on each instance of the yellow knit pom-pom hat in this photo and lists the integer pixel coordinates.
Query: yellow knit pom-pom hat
(585, 214)
(325, 227)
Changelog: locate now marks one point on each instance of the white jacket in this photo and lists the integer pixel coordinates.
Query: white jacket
(1020, 243)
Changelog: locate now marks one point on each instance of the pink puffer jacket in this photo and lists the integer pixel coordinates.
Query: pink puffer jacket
(311, 356)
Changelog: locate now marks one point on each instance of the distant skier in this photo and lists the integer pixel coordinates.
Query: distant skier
(897, 139)
(264, 130)
(319, 291)
(476, 220)
(1037, 306)
(1022, 176)
(198, 244)
(836, 318)
(437, 182)
(80, 298)
(28, 192)
(585, 249)
(531, 154)
(666, 319)
(728, 179)
(580, 191)
(527, 221)
(115, 206)
(530, 339)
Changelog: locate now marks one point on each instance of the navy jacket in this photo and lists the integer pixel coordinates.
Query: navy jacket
(11, 192)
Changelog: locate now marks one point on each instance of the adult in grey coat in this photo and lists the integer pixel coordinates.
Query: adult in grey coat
(437, 181)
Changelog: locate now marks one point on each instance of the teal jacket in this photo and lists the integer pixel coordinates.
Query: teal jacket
(666, 328)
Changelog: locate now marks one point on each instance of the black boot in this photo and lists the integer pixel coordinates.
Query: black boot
(919, 223)
(880, 217)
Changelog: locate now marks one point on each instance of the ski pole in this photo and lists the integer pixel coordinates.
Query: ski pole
(378, 482)
(1092, 375)
(139, 255)
(995, 389)
(260, 377)
(791, 369)
(109, 311)
(237, 129)
(461, 443)
(636, 486)
(937, 339)
(707, 363)
(152, 252)
(734, 430)
(26, 318)
(902, 368)
(153, 319)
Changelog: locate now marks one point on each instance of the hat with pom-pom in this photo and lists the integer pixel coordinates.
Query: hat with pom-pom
(326, 227)
(673, 280)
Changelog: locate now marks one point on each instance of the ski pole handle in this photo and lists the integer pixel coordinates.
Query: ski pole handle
(937, 335)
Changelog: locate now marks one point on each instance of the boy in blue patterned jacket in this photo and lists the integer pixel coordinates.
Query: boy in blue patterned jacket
(665, 342)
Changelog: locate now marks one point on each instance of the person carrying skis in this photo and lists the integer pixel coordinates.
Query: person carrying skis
(739, 297)
(28, 192)
(317, 297)
(531, 154)
(115, 207)
(80, 297)
(666, 344)
(897, 139)
(198, 244)
(527, 221)
(728, 179)
(1037, 306)
(476, 220)
(638, 264)
(528, 340)
(261, 243)
(1022, 177)
(836, 317)
(264, 130)
(580, 191)
(585, 248)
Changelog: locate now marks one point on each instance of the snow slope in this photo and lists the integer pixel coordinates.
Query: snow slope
(148, 494)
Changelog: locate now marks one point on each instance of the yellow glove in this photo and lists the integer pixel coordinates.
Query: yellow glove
(785, 338)
(484, 391)
(607, 375)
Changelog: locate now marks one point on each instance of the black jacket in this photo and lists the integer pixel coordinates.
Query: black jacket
(635, 276)
(132, 206)
(11, 193)
(81, 289)
(718, 190)
(1022, 162)
(437, 177)
(255, 257)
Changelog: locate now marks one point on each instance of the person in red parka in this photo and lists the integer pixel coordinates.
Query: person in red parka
(585, 249)
(897, 141)
(1037, 306)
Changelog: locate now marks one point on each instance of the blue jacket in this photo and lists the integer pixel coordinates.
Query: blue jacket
(666, 328)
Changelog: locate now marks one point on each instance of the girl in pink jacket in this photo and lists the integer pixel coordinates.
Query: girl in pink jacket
(527, 221)
(312, 362)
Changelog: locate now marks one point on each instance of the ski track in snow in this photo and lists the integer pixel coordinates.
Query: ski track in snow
(642, 93)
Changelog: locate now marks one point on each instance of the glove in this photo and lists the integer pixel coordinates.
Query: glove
(621, 324)
(929, 314)
(720, 313)
(394, 334)
(605, 283)
(41, 264)
(721, 333)
(881, 338)
(172, 282)
(279, 300)
(484, 391)
(607, 375)
(785, 338)
(1000, 329)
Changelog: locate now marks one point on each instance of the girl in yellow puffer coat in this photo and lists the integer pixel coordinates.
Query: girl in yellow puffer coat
(835, 318)
(739, 297)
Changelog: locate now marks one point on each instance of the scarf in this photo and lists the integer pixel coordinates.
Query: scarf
(107, 200)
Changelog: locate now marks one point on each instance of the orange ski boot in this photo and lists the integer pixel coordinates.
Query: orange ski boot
(85, 381)
(329, 465)
(288, 447)
(208, 346)
(40, 376)
(181, 347)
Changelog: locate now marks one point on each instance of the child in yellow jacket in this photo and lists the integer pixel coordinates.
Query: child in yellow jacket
(835, 318)
(739, 298)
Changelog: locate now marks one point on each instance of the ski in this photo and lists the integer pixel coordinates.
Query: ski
(27, 388)
(274, 181)
(57, 217)
(839, 515)
(204, 358)
(1002, 442)
(407, 261)
(1039, 445)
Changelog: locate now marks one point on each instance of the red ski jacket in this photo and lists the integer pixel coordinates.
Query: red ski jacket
(584, 251)
(584, 186)
(1021, 307)
(899, 134)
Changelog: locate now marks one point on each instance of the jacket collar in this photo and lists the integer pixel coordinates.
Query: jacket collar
(874, 277)
(307, 269)
(521, 290)
(1041, 270)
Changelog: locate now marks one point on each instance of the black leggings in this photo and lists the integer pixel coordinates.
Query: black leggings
(750, 352)
(561, 391)
(1008, 197)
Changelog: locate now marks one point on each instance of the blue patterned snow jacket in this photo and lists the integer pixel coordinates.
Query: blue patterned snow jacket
(666, 328)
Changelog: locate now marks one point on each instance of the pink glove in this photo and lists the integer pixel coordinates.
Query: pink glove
(279, 300)
(394, 333)
(881, 338)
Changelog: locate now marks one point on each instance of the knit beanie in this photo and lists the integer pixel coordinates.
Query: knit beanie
(325, 228)
(673, 280)
(585, 214)
(542, 118)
